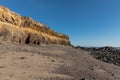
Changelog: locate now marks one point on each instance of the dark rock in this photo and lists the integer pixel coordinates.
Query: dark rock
(22, 57)
(107, 54)
(83, 79)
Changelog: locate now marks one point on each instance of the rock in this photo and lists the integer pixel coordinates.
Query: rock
(83, 79)
(107, 54)
(27, 31)
(85, 48)
(107, 48)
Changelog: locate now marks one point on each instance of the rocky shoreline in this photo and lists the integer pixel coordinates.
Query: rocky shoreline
(107, 54)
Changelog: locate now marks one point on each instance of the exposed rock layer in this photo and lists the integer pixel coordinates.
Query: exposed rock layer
(29, 31)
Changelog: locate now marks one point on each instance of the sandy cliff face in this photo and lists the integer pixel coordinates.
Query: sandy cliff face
(16, 28)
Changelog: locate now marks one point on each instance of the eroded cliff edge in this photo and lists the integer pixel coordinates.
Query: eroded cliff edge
(24, 30)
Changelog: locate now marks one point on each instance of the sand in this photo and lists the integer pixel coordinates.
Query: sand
(52, 62)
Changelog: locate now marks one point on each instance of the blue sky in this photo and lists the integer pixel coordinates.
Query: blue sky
(87, 22)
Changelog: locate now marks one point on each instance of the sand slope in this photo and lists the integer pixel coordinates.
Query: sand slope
(52, 62)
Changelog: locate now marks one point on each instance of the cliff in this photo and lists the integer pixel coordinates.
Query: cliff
(24, 30)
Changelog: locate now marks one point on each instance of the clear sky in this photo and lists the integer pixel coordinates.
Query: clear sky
(87, 22)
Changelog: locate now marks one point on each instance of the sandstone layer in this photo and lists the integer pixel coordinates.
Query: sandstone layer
(24, 30)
